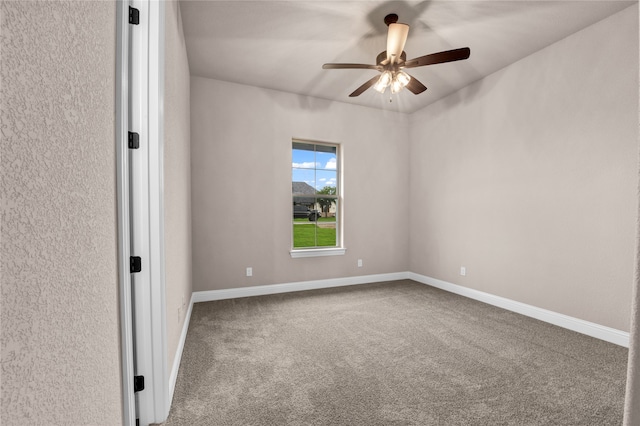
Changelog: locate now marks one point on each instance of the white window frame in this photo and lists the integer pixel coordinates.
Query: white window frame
(339, 250)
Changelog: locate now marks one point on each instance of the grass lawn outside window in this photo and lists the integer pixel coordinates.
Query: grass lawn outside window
(320, 234)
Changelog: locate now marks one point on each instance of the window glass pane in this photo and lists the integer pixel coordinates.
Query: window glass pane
(326, 148)
(327, 160)
(307, 202)
(304, 146)
(326, 227)
(303, 156)
(327, 208)
(304, 235)
(320, 234)
(303, 182)
(326, 182)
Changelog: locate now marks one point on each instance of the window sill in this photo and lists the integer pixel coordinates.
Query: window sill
(337, 251)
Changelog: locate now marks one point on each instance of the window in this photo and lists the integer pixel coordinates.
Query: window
(315, 185)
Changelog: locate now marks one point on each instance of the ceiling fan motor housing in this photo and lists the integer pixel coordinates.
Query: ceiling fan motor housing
(383, 56)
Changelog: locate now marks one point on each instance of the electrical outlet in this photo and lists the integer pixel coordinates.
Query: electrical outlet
(249, 271)
(463, 270)
(359, 263)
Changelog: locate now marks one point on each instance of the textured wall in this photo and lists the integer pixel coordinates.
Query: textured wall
(632, 396)
(241, 185)
(177, 178)
(528, 178)
(60, 332)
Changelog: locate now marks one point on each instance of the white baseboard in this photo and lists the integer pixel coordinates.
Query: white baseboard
(233, 293)
(179, 350)
(608, 334)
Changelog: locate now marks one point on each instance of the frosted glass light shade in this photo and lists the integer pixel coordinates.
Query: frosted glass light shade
(383, 81)
(395, 86)
(403, 78)
(400, 80)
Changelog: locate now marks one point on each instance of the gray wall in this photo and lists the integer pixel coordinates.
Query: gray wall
(60, 331)
(241, 185)
(528, 178)
(177, 179)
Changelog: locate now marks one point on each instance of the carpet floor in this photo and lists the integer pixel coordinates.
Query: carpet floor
(395, 353)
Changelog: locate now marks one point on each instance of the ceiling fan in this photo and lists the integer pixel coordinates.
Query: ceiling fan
(393, 61)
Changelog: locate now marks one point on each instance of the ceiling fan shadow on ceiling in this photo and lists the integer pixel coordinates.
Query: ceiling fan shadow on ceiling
(393, 61)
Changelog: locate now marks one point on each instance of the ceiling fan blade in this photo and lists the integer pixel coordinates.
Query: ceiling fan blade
(439, 58)
(396, 39)
(364, 87)
(350, 66)
(415, 86)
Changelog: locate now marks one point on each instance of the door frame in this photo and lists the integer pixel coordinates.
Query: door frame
(122, 191)
(140, 184)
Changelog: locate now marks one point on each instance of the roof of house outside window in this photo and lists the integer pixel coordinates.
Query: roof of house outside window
(300, 189)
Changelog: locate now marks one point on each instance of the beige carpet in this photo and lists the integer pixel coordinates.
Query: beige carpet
(397, 353)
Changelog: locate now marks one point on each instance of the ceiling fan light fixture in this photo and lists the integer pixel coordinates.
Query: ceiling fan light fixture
(400, 80)
(403, 78)
(396, 86)
(383, 81)
(392, 61)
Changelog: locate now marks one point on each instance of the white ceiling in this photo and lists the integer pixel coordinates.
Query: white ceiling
(282, 45)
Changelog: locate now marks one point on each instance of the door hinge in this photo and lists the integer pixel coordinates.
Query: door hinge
(137, 422)
(138, 383)
(135, 264)
(134, 16)
(134, 140)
